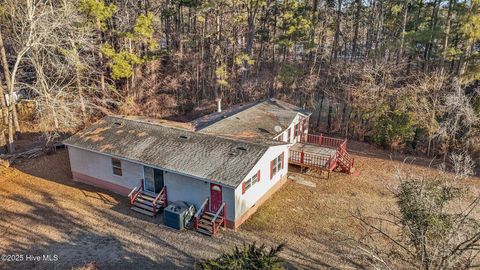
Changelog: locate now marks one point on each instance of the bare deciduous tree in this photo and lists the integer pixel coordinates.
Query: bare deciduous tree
(427, 230)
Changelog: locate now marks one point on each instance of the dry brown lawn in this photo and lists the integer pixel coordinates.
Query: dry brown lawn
(43, 212)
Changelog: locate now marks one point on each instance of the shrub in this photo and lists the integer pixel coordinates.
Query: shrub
(247, 257)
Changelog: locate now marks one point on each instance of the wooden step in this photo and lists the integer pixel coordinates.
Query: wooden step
(205, 217)
(207, 227)
(141, 200)
(159, 203)
(142, 211)
(219, 220)
(145, 206)
(146, 197)
(203, 231)
(208, 215)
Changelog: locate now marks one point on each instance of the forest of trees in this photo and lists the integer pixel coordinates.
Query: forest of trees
(401, 74)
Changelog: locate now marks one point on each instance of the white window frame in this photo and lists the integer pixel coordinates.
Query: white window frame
(277, 165)
(251, 181)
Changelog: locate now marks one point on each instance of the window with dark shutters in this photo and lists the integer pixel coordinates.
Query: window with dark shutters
(258, 176)
(243, 187)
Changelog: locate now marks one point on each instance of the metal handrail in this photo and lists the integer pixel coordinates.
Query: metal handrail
(200, 210)
(201, 207)
(218, 212)
(135, 189)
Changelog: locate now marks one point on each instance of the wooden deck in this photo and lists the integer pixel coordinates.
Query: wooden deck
(313, 155)
(324, 153)
(313, 149)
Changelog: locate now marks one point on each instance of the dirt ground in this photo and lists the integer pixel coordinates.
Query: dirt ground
(43, 212)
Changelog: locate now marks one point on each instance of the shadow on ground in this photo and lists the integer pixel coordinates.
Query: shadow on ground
(44, 212)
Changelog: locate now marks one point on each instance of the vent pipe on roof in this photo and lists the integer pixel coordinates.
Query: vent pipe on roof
(219, 104)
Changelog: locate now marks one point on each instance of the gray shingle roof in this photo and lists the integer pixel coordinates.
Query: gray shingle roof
(264, 119)
(200, 155)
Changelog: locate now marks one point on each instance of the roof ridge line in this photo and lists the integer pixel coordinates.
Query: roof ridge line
(122, 117)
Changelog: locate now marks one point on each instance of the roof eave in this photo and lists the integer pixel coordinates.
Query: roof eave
(156, 166)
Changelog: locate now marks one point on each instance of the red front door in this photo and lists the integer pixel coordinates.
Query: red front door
(215, 197)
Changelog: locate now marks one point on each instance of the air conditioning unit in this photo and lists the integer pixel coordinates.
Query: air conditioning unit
(178, 214)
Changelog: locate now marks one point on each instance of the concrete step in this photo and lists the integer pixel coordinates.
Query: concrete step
(142, 211)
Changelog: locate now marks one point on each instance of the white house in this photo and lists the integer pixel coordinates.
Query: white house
(226, 164)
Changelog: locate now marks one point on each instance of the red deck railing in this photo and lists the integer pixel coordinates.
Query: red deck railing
(323, 141)
(328, 163)
(322, 162)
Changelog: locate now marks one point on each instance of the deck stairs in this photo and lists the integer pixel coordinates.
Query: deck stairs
(147, 203)
(345, 161)
(208, 222)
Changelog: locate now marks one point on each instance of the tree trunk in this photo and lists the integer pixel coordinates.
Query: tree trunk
(355, 31)
(11, 132)
(3, 103)
(3, 141)
(402, 36)
(78, 83)
(8, 79)
(319, 119)
(333, 55)
(329, 117)
(447, 36)
(100, 58)
(252, 9)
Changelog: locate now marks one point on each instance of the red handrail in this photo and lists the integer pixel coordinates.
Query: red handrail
(219, 211)
(344, 156)
(332, 162)
(135, 192)
(161, 195)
